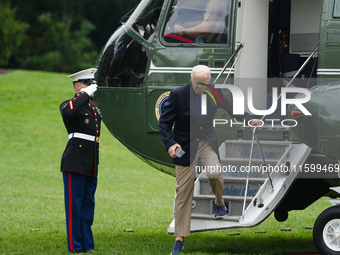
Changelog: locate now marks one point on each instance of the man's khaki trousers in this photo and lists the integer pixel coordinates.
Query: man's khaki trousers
(185, 178)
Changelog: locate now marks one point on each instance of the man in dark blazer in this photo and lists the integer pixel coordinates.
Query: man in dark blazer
(79, 163)
(183, 125)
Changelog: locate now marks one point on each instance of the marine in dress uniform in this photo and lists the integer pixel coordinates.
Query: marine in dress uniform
(79, 163)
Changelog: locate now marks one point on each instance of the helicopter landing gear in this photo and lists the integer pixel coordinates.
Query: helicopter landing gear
(326, 231)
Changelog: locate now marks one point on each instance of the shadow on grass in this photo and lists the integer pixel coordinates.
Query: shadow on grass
(250, 244)
(205, 243)
(146, 241)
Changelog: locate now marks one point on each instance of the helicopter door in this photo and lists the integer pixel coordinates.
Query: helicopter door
(329, 44)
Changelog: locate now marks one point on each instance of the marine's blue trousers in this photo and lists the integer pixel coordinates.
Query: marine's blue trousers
(79, 192)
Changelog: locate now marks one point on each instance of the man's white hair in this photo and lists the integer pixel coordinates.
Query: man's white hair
(200, 70)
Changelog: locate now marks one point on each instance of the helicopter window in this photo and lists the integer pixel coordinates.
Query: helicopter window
(146, 20)
(125, 61)
(197, 21)
(336, 11)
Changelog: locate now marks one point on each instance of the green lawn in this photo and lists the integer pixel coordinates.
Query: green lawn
(130, 194)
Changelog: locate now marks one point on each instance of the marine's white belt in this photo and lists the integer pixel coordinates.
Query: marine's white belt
(91, 138)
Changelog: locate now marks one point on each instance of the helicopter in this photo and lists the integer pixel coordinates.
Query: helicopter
(259, 47)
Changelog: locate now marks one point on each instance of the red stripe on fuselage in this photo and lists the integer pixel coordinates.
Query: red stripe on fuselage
(179, 38)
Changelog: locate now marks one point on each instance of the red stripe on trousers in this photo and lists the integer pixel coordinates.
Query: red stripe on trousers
(70, 211)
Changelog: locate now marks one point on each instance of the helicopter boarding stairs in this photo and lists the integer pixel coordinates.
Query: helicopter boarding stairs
(250, 196)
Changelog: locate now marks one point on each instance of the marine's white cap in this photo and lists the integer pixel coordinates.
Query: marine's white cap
(85, 74)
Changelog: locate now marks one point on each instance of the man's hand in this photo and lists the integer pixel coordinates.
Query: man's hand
(172, 149)
(90, 89)
(178, 29)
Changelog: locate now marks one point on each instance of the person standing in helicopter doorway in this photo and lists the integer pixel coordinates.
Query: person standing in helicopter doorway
(79, 163)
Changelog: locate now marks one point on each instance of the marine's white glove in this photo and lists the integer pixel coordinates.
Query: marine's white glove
(90, 89)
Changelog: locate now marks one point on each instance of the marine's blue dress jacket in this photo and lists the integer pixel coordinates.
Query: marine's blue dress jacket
(80, 115)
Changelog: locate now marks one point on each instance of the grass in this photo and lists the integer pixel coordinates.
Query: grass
(130, 194)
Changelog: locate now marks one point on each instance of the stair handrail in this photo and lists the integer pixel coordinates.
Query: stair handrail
(263, 160)
(301, 68)
(241, 45)
(254, 135)
(247, 181)
(298, 72)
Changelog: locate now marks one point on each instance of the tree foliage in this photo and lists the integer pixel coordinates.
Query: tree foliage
(60, 49)
(62, 36)
(12, 32)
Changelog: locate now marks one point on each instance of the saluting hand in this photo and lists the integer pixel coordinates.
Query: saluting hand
(90, 89)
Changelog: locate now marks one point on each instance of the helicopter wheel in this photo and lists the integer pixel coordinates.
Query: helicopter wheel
(326, 231)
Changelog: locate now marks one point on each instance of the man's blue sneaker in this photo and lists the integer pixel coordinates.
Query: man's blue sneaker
(178, 247)
(220, 211)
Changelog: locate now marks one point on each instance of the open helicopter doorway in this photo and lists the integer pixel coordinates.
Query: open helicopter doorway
(293, 34)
